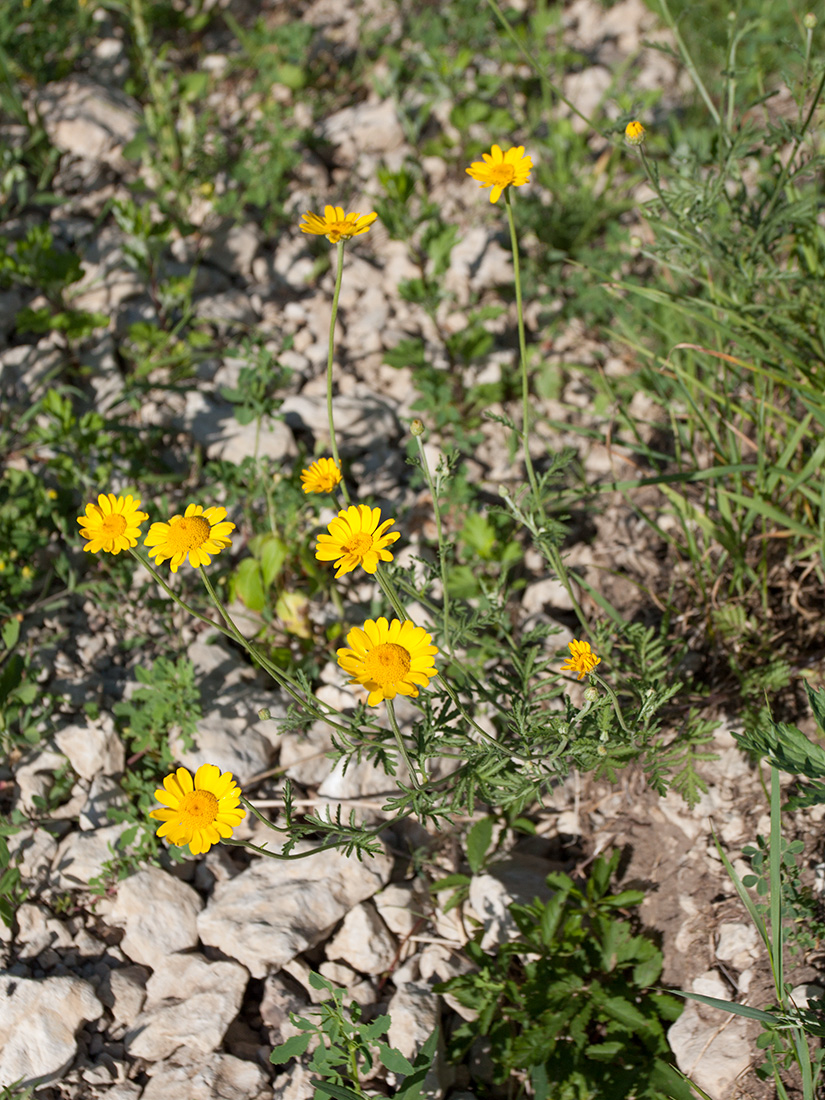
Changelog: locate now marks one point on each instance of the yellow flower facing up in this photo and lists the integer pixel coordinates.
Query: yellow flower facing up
(356, 537)
(389, 659)
(196, 534)
(199, 811)
(500, 170)
(111, 525)
(336, 225)
(634, 133)
(321, 477)
(582, 659)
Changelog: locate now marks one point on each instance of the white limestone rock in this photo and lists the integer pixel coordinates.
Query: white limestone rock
(363, 941)
(273, 910)
(38, 1025)
(159, 913)
(189, 1005)
(93, 748)
(82, 856)
(221, 1077)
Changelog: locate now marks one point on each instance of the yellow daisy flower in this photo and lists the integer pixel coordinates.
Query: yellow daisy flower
(336, 225)
(389, 659)
(198, 812)
(321, 477)
(499, 170)
(634, 133)
(356, 537)
(196, 534)
(111, 525)
(582, 659)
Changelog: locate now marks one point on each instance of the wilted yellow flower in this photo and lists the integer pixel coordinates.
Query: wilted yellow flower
(582, 659)
(356, 537)
(196, 534)
(336, 225)
(111, 525)
(634, 133)
(389, 659)
(321, 477)
(198, 812)
(499, 170)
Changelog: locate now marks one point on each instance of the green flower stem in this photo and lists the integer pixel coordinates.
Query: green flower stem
(689, 65)
(560, 568)
(282, 681)
(170, 592)
(442, 546)
(522, 343)
(595, 676)
(540, 70)
(330, 354)
(389, 590)
(399, 740)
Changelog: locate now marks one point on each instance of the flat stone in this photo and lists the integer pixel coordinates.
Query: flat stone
(92, 748)
(81, 857)
(273, 910)
(361, 419)
(221, 1077)
(521, 879)
(363, 941)
(189, 1005)
(38, 1025)
(159, 913)
(87, 120)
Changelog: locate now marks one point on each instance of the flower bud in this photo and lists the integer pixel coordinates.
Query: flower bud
(264, 714)
(809, 21)
(417, 427)
(601, 750)
(591, 694)
(634, 133)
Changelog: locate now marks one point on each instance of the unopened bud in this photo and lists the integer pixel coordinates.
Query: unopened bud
(591, 694)
(264, 714)
(417, 427)
(809, 21)
(601, 750)
(634, 133)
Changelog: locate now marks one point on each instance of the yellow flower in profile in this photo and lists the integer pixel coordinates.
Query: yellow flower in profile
(634, 133)
(198, 812)
(389, 659)
(321, 477)
(196, 534)
(499, 170)
(582, 659)
(111, 525)
(336, 225)
(356, 537)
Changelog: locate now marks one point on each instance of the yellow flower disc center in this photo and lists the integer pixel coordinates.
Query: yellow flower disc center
(359, 544)
(198, 809)
(113, 525)
(387, 663)
(187, 533)
(501, 174)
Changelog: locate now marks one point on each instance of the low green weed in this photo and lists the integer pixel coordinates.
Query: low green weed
(569, 1000)
(12, 891)
(348, 1047)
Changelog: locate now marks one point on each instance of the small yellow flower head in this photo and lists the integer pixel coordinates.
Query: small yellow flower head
(336, 225)
(321, 477)
(356, 537)
(196, 534)
(634, 133)
(582, 659)
(198, 812)
(111, 525)
(389, 659)
(500, 170)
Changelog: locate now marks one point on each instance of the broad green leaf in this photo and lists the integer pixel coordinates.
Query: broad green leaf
(248, 584)
(11, 632)
(410, 1088)
(393, 1059)
(272, 555)
(294, 1047)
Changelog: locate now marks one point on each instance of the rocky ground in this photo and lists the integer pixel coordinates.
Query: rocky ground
(181, 978)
